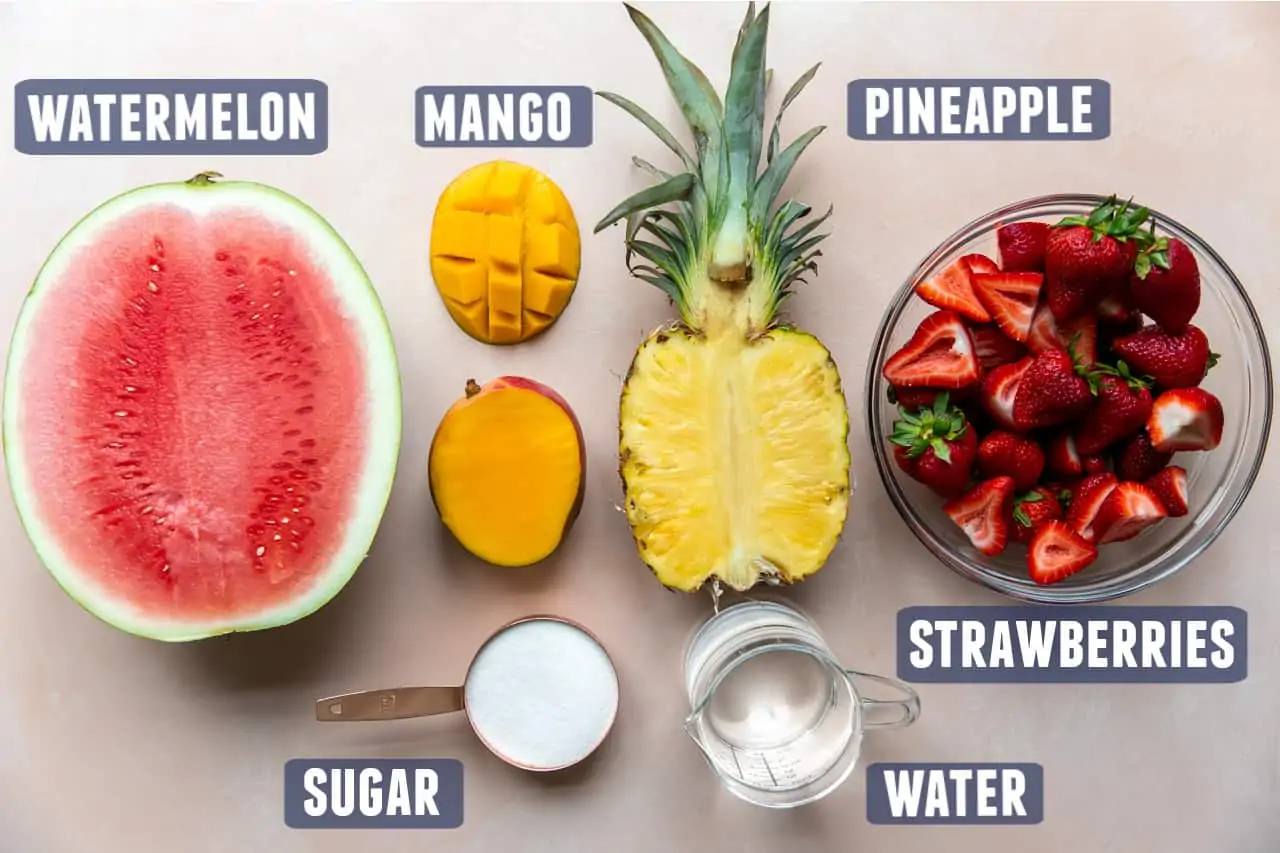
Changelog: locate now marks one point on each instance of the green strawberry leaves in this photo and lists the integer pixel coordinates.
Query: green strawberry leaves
(1154, 254)
(1118, 220)
(1019, 514)
(1122, 372)
(929, 428)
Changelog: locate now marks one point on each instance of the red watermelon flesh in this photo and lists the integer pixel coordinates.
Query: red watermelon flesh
(196, 417)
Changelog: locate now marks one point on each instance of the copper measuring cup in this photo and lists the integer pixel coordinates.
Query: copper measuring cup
(401, 703)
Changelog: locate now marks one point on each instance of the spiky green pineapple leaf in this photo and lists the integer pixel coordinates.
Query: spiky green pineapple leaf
(676, 188)
(770, 183)
(641, 115)
(744, 108)
(697, 98)
(775, 137)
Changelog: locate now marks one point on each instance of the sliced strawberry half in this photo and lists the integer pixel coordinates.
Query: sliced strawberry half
(1081, 334)
(1170, 486)
(994, 348)
(1010, 298)
(979, 263)
(1056, 552)
(1000, 389)
(1087, 499)
(952, 289)
(1061, 459)
(1129, 509)
(983, 513)
(939, 355)
(1185, 419)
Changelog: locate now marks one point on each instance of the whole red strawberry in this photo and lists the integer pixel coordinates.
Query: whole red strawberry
(1124, 404)
(1171, 360)
(1138, 460)
(1055, 389)
(1087, 257)
(1006, 454)
(1032, 511)
(1022, 246)
(1166, 283)
(935, 446)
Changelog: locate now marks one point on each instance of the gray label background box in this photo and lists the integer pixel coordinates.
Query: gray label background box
(24, 131)
(581, 108)
(879, 811)
(1083, 674)
(449, 797)
(1099, 110)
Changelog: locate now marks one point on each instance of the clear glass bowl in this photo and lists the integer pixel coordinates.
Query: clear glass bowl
(1218, 480)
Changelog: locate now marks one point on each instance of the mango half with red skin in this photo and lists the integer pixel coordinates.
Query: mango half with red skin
(507, 470)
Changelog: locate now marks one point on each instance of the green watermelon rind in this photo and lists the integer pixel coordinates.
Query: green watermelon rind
(352, 282)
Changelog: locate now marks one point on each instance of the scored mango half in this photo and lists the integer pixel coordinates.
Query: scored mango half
(505, 251)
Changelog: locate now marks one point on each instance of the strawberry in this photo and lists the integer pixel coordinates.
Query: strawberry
(1000, 389)
(1022, 245)
(1117, 306)
(1111, 330)
(952, 289)
(1173, 360)
(993, 348)
(978, 263)
(939, 355)
(1138, 460)
(1086, 499)
(1010, 298)
(914, 398)
(1056, 552)
(1185, 419)
(1095, 464)
(1047, 333)
(1006, 454)
(1166, 283)
(935, 446)
(1062, 459)
(1129, 509)
(1124, 404)
(983, 512)
(1170, 486)
(1032, 511)
(1087, 257)
(1042, 334)
(1055, 389)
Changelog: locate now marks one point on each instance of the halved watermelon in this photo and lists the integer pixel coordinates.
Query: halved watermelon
(202, 410)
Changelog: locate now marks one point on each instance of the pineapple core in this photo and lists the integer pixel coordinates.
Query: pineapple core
(734, 456)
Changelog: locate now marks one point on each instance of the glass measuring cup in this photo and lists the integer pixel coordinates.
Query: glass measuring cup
(541, 693)
(776, 716)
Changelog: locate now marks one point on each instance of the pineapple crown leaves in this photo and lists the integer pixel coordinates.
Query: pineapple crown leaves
(929, 427)
(722, 203)
(1115, 219)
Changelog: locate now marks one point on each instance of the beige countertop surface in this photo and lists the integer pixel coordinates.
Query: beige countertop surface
(110, 743)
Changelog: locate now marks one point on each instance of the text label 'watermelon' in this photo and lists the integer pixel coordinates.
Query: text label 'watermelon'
(1100, 643)
(503, 116)
(378, 793)
(244, 117)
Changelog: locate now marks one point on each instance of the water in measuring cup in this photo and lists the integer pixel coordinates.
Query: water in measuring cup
(778, 720)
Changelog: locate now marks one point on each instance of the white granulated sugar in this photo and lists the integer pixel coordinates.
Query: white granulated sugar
(542, 693)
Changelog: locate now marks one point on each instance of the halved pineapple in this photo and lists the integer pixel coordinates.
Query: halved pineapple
(733, 427)
(734, 458)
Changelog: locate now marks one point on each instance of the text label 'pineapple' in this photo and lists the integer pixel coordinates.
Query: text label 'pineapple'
(503, 116)
(980, 109)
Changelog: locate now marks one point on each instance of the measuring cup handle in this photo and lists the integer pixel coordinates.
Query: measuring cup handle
(907, 706)
(397, 704)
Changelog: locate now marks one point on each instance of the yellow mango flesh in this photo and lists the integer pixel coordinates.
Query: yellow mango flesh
(506, 473)
(505, 251)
